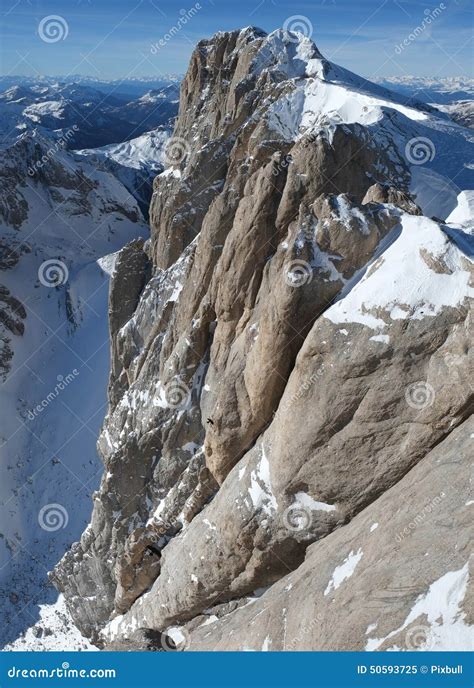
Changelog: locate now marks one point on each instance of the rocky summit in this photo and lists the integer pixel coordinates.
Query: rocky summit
(288, 439)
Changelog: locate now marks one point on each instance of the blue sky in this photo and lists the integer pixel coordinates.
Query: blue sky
(115, 38)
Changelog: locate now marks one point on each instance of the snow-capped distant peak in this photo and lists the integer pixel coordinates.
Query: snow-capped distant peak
(145, 151)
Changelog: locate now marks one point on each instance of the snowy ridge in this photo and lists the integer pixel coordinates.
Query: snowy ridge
(145, 151)
(418, 270)
(321, 95)
(84, 116)
(134, 163)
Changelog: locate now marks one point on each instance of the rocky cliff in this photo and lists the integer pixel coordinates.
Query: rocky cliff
(290, 372)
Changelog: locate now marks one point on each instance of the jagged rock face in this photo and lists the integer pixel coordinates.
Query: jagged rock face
(12, 311)
(356, 589)
(383, 193)
(223, 135)
(132, 268)
(267, 373)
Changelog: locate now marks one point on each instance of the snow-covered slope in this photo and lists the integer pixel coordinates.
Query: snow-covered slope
(135, 163)
(60, 218)
(143, 152)
(460, 111)
(419, 270)
(463, 214)
(54, 632)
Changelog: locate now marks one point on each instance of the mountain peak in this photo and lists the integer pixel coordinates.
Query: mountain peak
(290, 53)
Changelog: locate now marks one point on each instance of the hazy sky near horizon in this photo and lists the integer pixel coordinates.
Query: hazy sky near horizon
(111, 39)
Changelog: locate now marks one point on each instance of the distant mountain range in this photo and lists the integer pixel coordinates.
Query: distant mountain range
(90, 117)
(451, 95)
(128, 88)
(431, 89)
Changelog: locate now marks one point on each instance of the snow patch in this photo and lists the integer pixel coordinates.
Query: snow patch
(306, 500)
(442, 607)
(405, 286)
(464, 211)
(384, 338)
(260, 489)
(344, 571)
